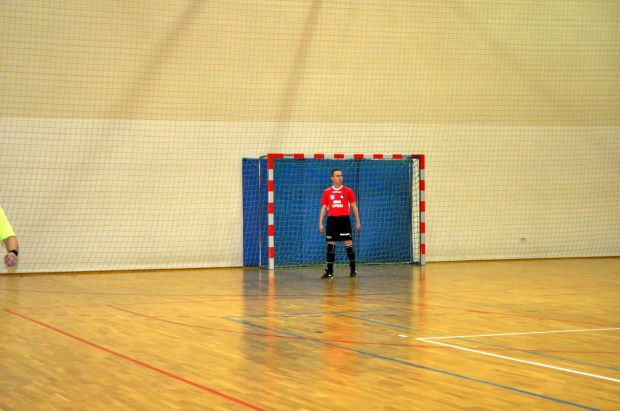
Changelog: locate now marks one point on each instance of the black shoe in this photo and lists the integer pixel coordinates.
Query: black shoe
(353, 274)
(328, 274)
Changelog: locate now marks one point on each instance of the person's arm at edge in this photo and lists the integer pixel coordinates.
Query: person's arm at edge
(358, 224)
(321, 218)
(11, 244)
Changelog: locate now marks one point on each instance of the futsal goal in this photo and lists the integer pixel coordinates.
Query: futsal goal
(389, 191)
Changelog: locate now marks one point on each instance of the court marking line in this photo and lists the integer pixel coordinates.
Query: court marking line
(316, 341)
(494, 290)
(255, 334)
(482, 312)
(491, 290)
(429, 340)
(389, 310)
(137, 362)
(536, 353)
(422, 367)
(195, 326)
(523, 333)
(252, 298)
(257, 297)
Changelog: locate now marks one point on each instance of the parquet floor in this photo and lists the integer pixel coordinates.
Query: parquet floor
(536, 334)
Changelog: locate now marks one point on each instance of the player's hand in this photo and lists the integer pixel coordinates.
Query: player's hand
(10, 260)
(321, 228)
(358, 226)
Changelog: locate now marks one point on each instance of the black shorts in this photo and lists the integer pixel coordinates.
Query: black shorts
(338, 229)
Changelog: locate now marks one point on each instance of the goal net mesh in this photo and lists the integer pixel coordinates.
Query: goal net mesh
(387, 196)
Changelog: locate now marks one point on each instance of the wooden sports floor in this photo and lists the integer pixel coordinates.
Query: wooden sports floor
(536, 334)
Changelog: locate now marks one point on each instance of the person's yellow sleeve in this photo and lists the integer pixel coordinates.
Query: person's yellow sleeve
(6, 230)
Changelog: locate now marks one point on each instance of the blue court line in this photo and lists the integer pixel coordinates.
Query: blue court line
(479, 342)
(533, 394)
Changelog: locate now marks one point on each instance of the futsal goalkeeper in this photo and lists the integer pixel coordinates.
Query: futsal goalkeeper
(10, 241)
(338, 201)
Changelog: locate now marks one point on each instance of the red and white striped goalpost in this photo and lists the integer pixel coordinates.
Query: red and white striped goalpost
(270, 190)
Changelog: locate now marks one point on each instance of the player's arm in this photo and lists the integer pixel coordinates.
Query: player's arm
(322, 218)
(11, 244)
(358, 224)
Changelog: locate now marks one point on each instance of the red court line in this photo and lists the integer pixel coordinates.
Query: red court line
(288, 297)
(486, 312)
(481, 291)
(265, 298)
(145, 365)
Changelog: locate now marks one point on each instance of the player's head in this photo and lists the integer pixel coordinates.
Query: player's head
(337, 177)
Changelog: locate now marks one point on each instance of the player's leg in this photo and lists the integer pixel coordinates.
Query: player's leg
(330, 258)
(330, 234)
(348, 245)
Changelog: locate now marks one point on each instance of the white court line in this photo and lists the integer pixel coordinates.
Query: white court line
(528, 333)
(428, 340)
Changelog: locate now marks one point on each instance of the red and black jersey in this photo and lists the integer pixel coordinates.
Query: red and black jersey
(337, 201)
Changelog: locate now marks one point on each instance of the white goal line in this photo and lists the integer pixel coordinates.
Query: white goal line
(430, 340)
